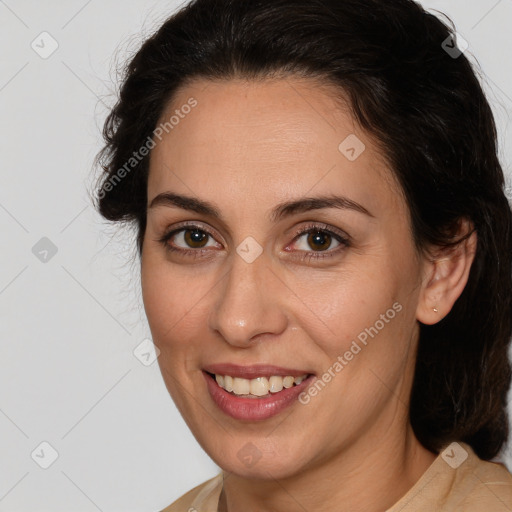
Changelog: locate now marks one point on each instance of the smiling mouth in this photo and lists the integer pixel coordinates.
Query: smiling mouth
(259, 387)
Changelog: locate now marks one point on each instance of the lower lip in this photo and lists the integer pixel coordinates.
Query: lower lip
(254, 409)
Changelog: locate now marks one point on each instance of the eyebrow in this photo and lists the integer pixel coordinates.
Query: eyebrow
(281, 211)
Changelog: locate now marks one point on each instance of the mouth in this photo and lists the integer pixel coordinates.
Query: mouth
(255, 393)
(256, 380)
(258, 387)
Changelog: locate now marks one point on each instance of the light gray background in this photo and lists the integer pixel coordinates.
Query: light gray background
(69, 325)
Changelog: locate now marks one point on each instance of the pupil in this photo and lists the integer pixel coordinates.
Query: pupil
(195, 236)
(320, 238)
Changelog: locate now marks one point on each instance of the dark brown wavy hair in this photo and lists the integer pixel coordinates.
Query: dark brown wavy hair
(424, 106)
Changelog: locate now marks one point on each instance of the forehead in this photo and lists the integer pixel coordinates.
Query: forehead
(279, 138)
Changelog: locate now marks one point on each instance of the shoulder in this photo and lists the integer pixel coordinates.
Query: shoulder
(204, 497)
(485, 485)
(458, 480)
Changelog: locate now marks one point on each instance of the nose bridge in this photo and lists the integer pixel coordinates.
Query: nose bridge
(246, 304)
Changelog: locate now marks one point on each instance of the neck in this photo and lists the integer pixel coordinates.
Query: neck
(367, 476)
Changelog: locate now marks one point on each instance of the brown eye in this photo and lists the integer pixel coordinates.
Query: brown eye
(195, 238)
(191, 240)
(315, 242)
(319, 240)
(187, 240)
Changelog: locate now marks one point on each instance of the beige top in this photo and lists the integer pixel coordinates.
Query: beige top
(457, 480)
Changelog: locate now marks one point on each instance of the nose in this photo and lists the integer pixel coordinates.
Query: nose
(247, 303)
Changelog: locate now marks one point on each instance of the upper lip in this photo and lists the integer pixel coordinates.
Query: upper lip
(253, 371)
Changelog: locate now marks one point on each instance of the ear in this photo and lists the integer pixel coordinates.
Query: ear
(445, 275)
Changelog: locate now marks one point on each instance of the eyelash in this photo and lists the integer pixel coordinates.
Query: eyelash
(310, 228)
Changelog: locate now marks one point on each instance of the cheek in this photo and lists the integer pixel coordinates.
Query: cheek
(160, 295)
(175, 302)
(340, 306)
(360, 322)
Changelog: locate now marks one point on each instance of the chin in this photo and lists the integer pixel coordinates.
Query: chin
(263, 469)
(255, 458)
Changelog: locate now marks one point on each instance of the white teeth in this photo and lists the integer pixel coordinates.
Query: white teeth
(298, 380)
(228, 383)
(276, 384)
(260, 386)
(241, 386)
(288, 381)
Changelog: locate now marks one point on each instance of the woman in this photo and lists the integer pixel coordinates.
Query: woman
(325, 252)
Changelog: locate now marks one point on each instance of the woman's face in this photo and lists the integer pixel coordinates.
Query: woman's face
(313, 289)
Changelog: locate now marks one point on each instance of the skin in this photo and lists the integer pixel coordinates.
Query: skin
(246, 147)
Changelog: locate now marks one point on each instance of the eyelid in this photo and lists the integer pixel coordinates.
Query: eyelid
(342, 237)
(182, 226)
(300, 230)
(321, 226)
